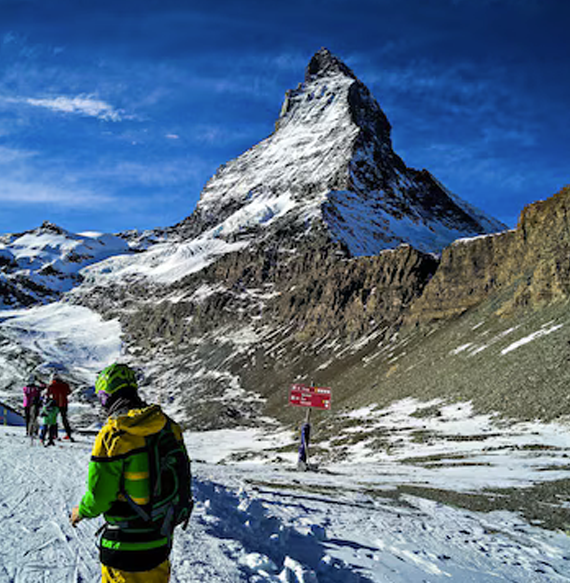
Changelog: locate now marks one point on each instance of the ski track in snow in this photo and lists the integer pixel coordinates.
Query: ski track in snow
(259, 523)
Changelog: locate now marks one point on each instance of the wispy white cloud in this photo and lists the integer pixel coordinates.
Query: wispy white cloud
(33, 193)
(11, 155)
(473, 164)
(175, 172)
(499, 186)
(212, 134)
(9, 38)
(464, 88)
(504, 135)
(86, 105)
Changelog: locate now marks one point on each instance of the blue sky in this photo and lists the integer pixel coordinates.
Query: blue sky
(113, 115)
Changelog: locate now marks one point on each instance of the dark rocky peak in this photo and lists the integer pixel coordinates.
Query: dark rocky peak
(51, 228)
(329, 83)
(367, 114)
(324, 63)
(320, 89)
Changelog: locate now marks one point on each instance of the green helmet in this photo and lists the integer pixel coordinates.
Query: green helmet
(114, 378)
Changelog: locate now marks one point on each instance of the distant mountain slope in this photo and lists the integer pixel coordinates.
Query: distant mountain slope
(39, 265)
(328, 173)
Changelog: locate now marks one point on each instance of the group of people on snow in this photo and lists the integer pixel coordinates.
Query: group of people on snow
(138, 477)
(42, 406)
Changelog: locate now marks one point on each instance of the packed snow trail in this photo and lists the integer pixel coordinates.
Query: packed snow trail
(267, 524)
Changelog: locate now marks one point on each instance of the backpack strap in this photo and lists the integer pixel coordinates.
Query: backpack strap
(138, 509)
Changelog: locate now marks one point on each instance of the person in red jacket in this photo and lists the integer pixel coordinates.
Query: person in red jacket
(60, 391)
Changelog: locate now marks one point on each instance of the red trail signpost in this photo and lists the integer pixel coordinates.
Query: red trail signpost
(315, 397)
(312, 398)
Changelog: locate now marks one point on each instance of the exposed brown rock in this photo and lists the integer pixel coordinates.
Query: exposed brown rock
(527, 266)
(351, 295)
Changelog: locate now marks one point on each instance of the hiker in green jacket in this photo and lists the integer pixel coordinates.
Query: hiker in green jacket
(129, 483)
(48, 421)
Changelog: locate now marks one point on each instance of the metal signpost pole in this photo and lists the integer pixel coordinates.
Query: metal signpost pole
(303, 463)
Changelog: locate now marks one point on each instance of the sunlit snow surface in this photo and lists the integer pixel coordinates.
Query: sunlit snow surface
(164, 263)
(51, 258)
(263, 522)
(462, 451)
(270, 524)
(74, 337)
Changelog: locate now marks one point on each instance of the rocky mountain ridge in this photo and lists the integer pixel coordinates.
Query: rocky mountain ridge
(529, 265)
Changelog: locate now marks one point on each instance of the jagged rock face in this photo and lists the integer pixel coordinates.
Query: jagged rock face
(353, 296)
(314, 293)
(293, 310)
(330, 163)
(527, 266)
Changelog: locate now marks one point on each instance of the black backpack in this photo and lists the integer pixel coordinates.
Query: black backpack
(170, 482)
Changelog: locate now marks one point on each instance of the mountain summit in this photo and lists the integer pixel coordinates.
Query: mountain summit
(325, 63)
(330, 165)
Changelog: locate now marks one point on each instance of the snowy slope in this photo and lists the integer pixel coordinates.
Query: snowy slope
(164, 263)
(310, 147)
(261, 524)
(265, 522)
(73, 339)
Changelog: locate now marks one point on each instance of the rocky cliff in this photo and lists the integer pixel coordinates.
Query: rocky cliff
(315, 293)
(528, 266)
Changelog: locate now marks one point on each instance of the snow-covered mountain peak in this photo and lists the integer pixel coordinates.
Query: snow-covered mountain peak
(328, 168)
(38, 265)
(330, 165)
(51, 228)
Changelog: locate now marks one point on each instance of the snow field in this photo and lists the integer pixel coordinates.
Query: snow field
(269, 524)
(462, 451)
(51, 258)
(74, 337)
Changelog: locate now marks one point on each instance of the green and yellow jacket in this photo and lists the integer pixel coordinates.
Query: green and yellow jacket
(120, 464)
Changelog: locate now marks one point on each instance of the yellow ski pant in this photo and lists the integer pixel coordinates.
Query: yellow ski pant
(160, 574)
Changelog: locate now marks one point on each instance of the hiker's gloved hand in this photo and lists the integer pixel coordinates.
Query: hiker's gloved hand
(75, 517)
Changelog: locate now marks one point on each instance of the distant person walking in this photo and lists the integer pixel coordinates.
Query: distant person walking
(32, 397)
(60, 391)
(139, 479)
(48, 421)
